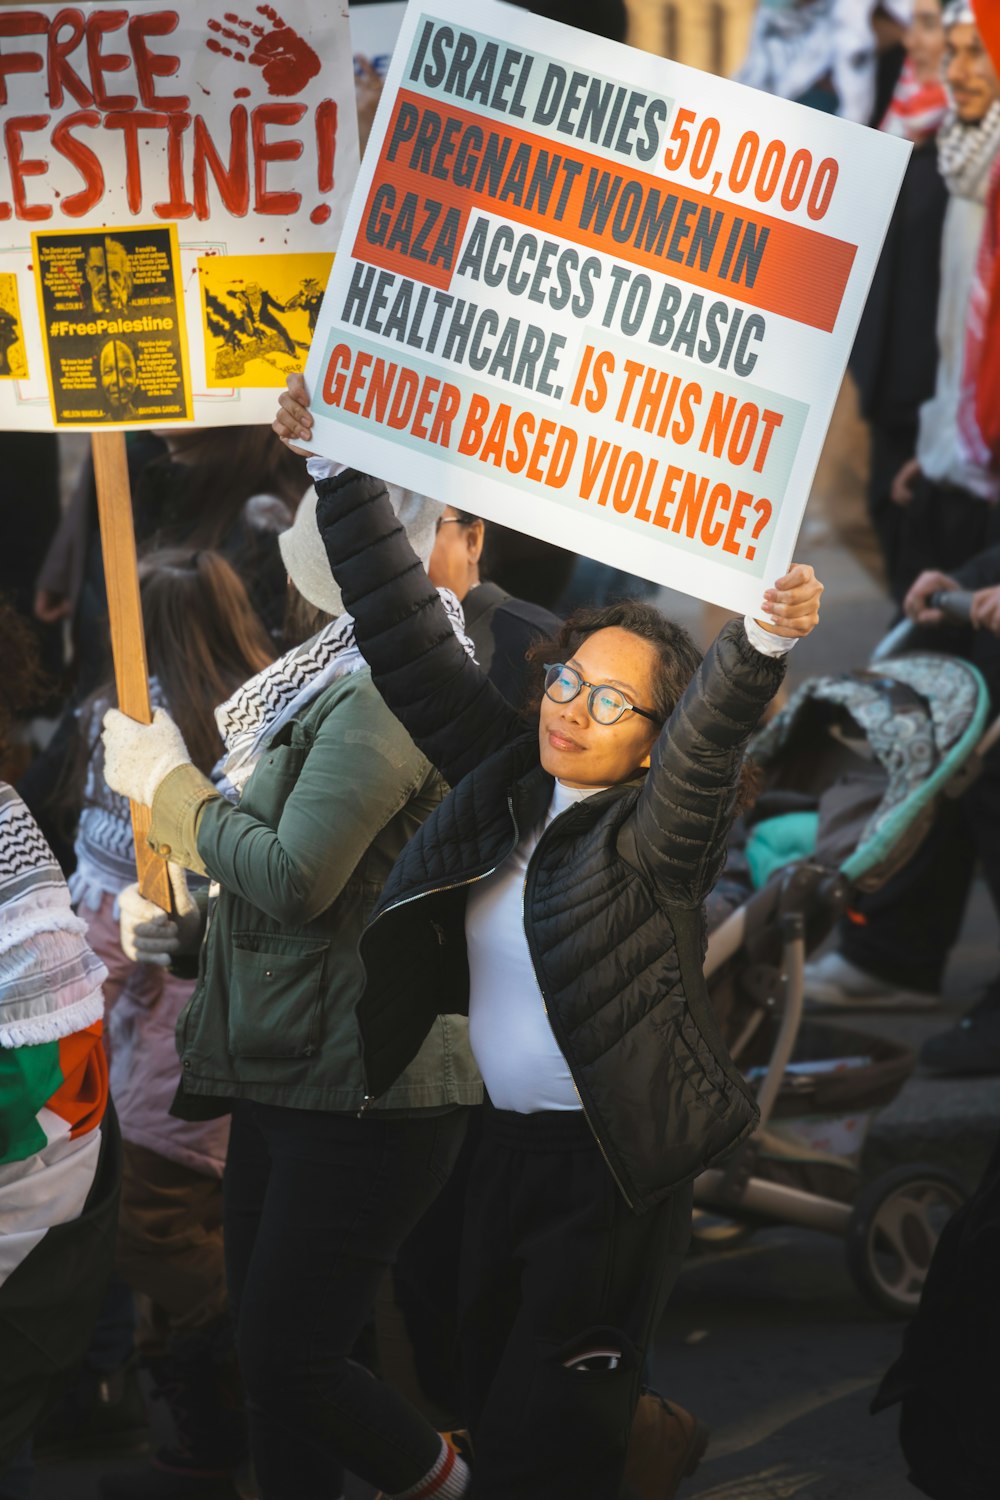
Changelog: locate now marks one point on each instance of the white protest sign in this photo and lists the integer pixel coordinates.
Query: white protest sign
(172, 190)
(598, 296)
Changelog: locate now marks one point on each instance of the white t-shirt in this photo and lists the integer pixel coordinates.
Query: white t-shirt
(509, 1032)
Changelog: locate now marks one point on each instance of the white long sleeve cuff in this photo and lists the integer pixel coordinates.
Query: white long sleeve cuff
(322, 468)
(763, 641)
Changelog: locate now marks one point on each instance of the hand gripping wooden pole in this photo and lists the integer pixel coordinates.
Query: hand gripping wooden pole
(128, 644)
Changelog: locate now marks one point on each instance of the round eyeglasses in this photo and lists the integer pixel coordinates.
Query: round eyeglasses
(605, 704)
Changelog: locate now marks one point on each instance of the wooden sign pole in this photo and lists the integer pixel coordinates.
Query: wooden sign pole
(128, 644)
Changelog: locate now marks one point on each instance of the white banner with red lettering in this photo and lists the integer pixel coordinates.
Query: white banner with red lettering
(172, 188)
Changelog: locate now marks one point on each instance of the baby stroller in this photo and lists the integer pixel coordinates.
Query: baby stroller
(853, 770)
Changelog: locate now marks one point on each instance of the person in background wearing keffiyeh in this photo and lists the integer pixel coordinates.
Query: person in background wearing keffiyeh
(203, 639)
(949, 489)
(59, 1146)
(920, 100)
(320, 1189)
(894, 360)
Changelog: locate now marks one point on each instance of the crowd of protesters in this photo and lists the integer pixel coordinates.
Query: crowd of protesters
(425, 1035)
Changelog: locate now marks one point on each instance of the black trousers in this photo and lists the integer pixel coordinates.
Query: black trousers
(316, 1206)
(892, 445)
(943, 527)
(50, 1302)
(562, 1288)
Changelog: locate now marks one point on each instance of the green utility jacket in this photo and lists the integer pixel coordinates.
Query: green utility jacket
(300, 863)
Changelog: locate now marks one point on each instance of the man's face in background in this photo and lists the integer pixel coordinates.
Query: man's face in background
(969, 73)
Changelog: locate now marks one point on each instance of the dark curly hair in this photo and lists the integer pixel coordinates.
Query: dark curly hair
(678, 656)
(22, 682)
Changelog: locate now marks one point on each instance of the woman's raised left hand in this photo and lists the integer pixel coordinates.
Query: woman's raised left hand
(791, 607)
(293, 422)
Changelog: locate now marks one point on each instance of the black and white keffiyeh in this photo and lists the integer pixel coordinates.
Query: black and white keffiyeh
(50, 981)
(259, 708)
(966, 153)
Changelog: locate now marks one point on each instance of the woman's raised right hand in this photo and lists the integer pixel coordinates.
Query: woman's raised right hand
(293, 422)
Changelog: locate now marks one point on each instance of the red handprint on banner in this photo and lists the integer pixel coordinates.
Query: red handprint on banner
(285, 59)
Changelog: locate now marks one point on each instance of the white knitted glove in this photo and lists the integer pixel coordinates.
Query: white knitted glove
(152, 936)
(138, 756)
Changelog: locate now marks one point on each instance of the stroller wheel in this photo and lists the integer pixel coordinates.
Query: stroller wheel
(712, 1231)
(894, 1228)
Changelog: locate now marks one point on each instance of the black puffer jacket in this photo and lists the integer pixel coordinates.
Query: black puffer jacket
(614, 888)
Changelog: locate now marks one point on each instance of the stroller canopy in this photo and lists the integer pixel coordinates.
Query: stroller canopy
(920, 718)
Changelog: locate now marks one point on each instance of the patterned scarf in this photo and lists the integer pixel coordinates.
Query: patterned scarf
(916, 110)
(50, 981)
(258, 709)
(966, 153)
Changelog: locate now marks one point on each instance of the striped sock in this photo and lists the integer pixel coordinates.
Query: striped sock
(447, 1480)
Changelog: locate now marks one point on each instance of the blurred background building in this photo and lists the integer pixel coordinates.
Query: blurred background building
(710, 34)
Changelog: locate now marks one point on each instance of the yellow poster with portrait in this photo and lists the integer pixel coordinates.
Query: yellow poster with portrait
(259, 315)
(112, 319)
(13, 360)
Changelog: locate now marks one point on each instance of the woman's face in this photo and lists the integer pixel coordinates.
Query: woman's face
(925, 41)
(580, 752)
(454, 562)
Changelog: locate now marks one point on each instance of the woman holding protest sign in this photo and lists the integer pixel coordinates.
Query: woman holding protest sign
(556, 895)
(329, 787)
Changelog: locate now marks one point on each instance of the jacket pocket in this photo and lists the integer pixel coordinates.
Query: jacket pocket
(701, 1086)
(276, 995)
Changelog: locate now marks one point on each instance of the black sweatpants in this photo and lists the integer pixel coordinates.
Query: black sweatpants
(316, 1206)
(556, 1267)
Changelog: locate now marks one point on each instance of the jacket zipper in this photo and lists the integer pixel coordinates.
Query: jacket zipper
(371, 1099)
(436, 890)
(545, 1006)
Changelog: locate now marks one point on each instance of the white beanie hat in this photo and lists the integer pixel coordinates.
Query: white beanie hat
(304, 554)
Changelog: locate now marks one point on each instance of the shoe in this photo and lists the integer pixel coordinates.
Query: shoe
(834, 983)
(100, 1415)
(460, 1440)
(665, 1446)
(199, 1382)
(973, 1046)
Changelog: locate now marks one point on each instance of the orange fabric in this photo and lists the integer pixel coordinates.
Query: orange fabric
(83, 1096)
(988, 19)
(979, 415)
